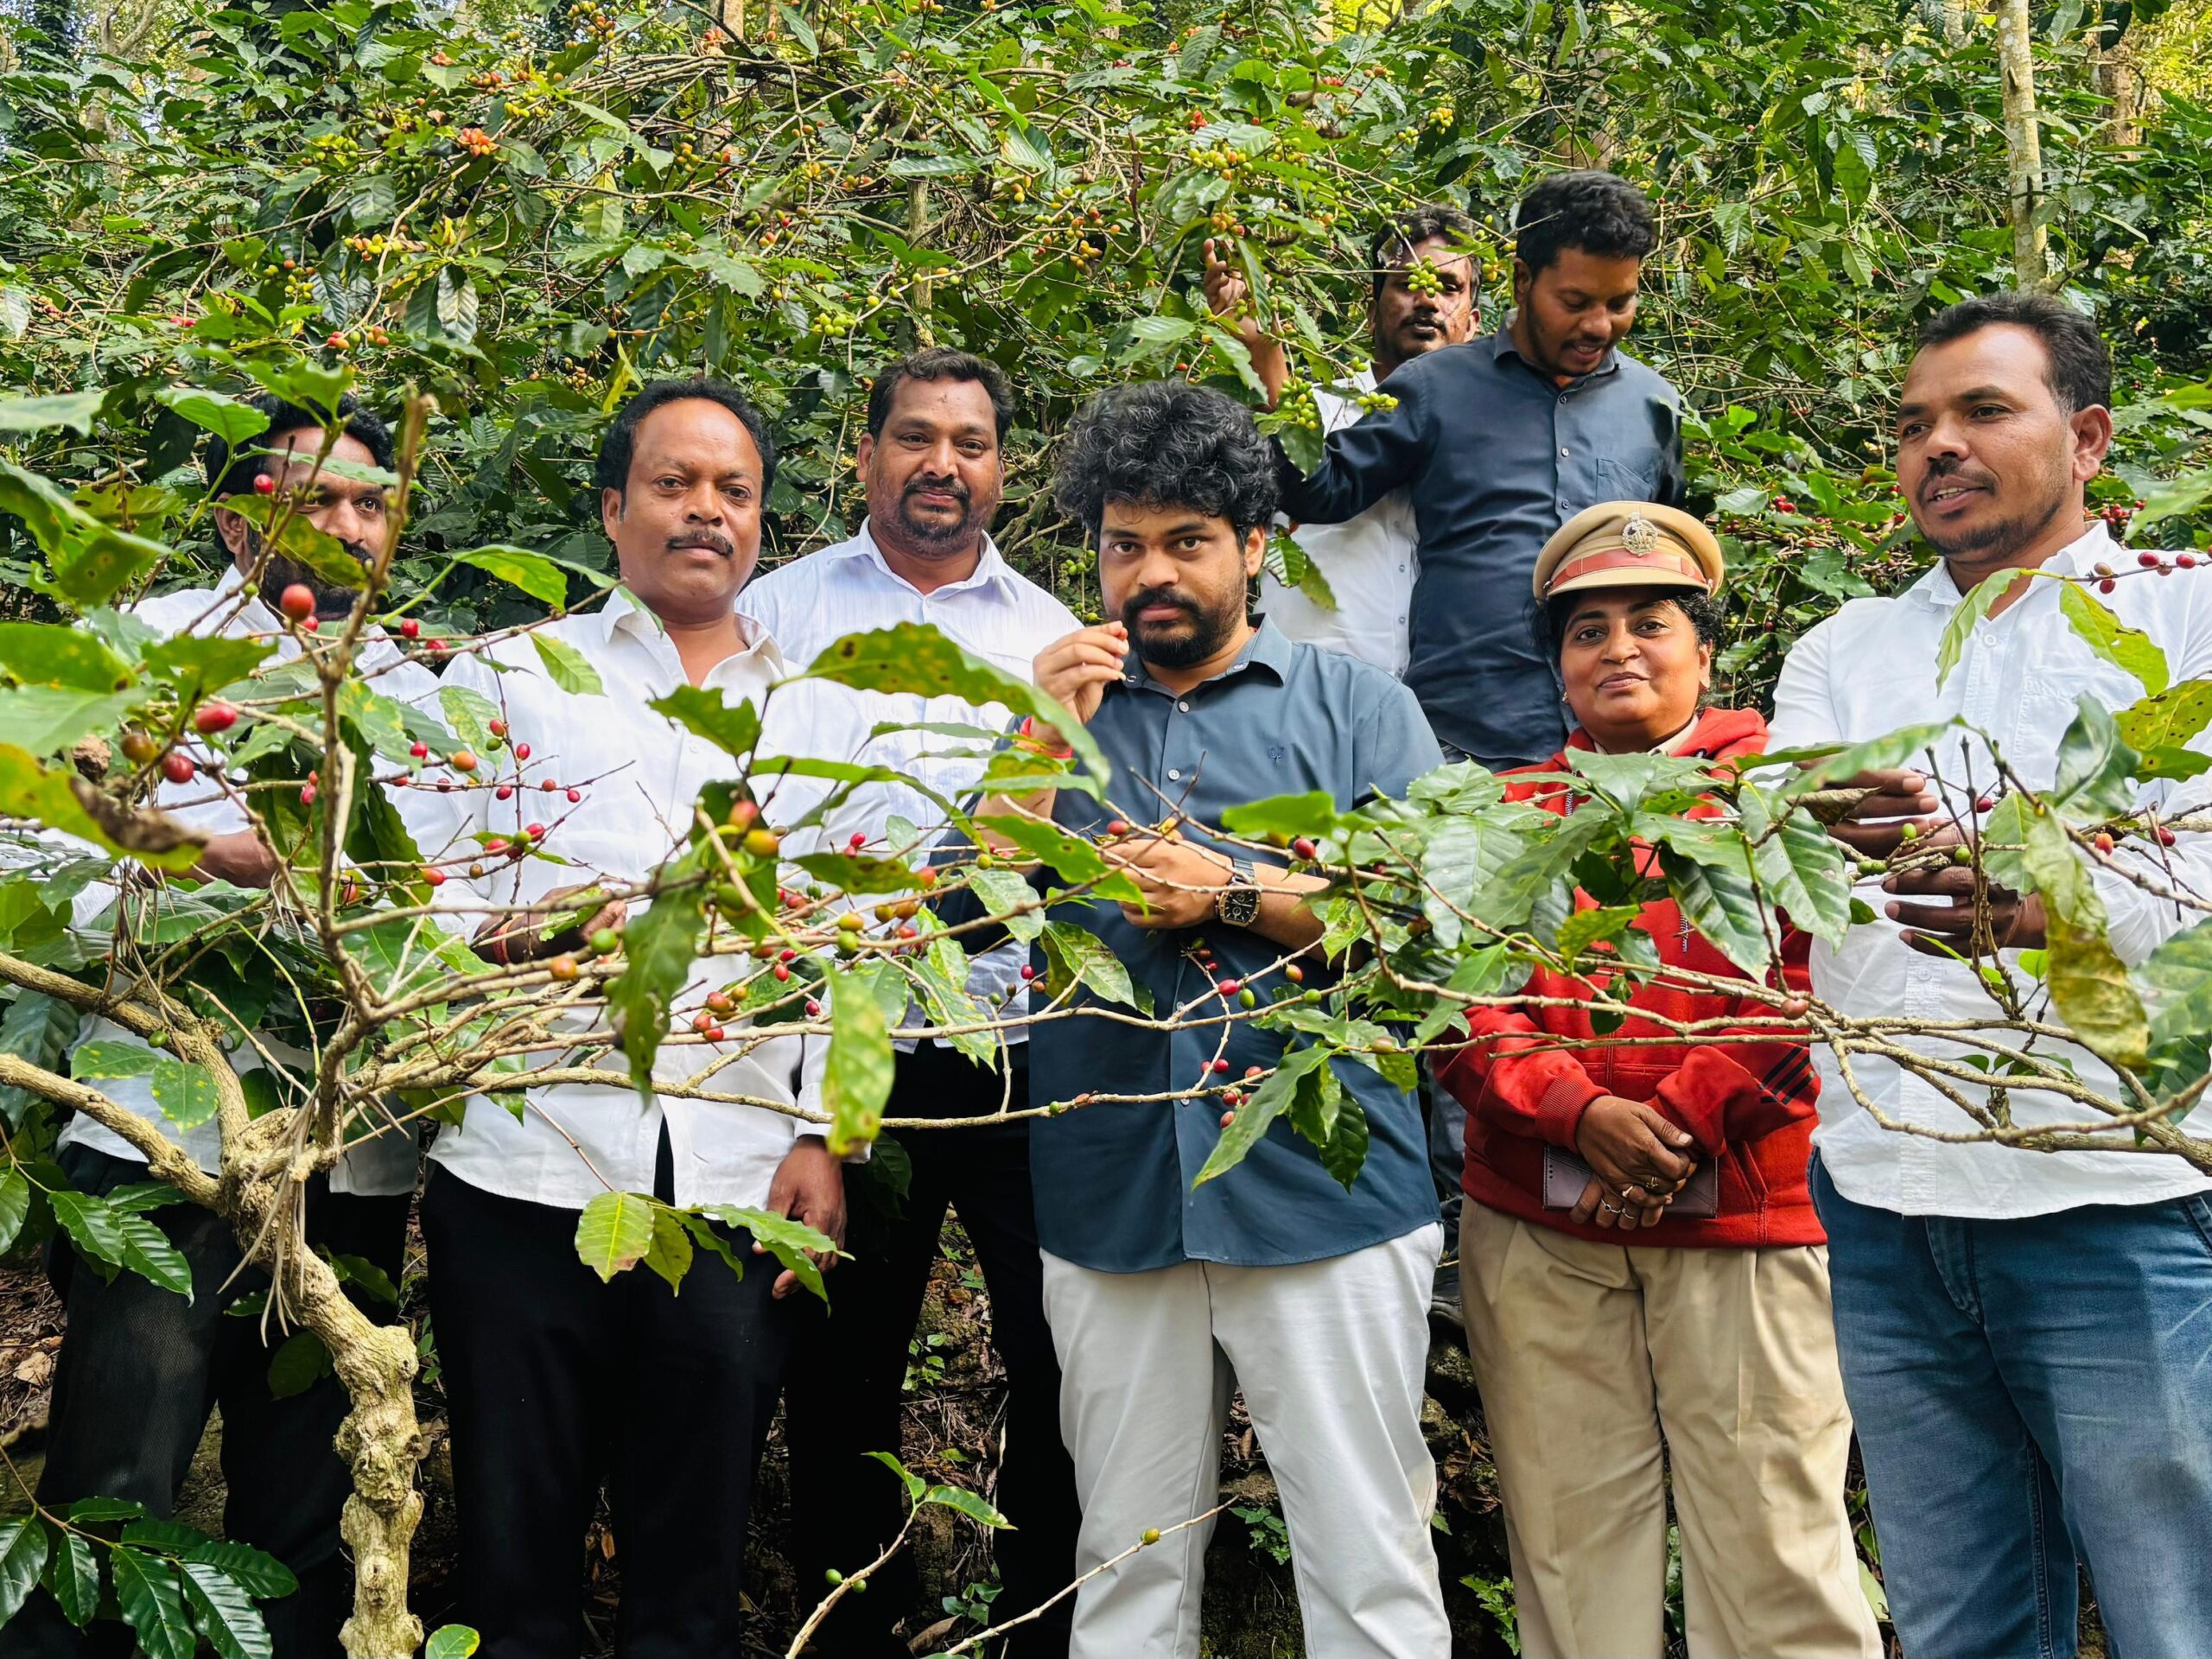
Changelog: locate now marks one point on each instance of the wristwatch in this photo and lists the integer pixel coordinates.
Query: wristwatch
(1238, 903)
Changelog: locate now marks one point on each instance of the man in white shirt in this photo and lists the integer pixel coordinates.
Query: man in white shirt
(1422, 299)
(142, 1366)
(555, 1380)
(2024, 1334)
(932, 463)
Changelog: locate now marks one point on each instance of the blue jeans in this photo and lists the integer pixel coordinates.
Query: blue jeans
(2027, 1393)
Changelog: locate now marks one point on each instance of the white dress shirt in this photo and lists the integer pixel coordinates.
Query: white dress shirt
(639, 773)
(1870, 670)
(1370, 563)
(995, 613)
(385, 1164)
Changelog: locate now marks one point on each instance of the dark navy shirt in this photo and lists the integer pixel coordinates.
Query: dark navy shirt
(1496, 457)
(1113, 1180)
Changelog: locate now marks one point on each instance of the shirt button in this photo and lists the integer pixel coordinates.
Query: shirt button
(1173, 775)
(1184, 707)
(1562, 451)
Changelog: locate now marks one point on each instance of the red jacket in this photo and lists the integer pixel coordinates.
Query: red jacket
(1749, 1105)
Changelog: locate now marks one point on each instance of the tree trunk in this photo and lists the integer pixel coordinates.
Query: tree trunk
(2119, 77)
(2023, 143)
(918, 221)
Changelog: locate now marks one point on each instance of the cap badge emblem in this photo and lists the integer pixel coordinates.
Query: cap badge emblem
(1640, 536)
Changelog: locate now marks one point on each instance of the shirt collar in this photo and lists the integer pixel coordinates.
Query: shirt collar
(252, 615)
(1939, 591)
(621, 615)
(1268, 648)
(1501, 346)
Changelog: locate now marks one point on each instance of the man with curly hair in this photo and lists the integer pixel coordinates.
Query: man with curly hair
(1158, 1291)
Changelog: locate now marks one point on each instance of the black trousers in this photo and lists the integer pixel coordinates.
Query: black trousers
(142, 1368)
(849, 1366)
(556, 1382)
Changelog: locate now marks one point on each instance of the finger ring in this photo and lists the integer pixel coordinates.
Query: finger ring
(1609, 1208)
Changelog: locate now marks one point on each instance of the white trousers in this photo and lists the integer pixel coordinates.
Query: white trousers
(1332, 1356)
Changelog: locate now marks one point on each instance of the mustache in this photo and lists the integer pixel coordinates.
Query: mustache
(951, 486)
(1945, 470)
(708, 538)
(1151, 596)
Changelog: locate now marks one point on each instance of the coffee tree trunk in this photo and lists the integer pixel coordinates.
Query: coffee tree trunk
(2023, 143)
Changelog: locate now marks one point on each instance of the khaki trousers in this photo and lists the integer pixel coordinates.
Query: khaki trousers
(1598, 1365)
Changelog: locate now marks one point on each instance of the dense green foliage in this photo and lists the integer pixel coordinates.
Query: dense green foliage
(529, 215)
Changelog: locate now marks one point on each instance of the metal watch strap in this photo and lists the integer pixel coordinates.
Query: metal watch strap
(1238, 903)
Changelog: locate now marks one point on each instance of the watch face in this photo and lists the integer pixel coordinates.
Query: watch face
(1239, 905)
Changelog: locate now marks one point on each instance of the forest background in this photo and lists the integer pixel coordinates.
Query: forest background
(529, 209)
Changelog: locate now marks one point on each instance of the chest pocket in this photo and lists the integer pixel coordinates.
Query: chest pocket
(2050, 698)
(1627, 479)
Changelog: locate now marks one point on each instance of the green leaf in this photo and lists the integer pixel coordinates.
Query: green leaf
(264, 1577)
(2095, 769)
(734, 729)
(1073, 858)
(92, 561)
(48, 720)
(914, 657)
(186, 1093)
(57, 798)
(567, 667)
(146, 1589)
(973, 1505)
(92, 1226)
(785, 1239)
(670, 1253)
(451, 1642)
(658, 948)
(76, 410)
(1313, 813)
(37, 1028)
(2171, 720)
(915, 1485)
(72, 1575)
(23, 1555)
(857, 1079)
(224, 1613)
(146, 1251)
(1969, 613)
(1075, 956)
(47, 653)
(1594, 926)
(1261, 1108)
(544, 580)
(1009, 898)
(231, 419)
(299, 1362)
(1709, 875)
(104, 1058)
(14, 1204)
(197, 664)
(1805, 871)
(287, 528)
(2177, 983)
(2114, 641)
(1880, 753)
(614, 1232)
(2089, 986)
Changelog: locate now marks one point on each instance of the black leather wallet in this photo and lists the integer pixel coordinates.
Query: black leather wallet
(1565, 1175)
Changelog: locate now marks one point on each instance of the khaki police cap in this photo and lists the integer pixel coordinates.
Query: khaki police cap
(1629, 545)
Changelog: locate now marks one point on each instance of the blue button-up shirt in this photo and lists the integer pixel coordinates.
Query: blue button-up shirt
(1113, 1181)
(1496, 456)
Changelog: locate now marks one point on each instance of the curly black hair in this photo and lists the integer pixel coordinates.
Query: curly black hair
(1596, 211)
(612, 470)
(1163, 444)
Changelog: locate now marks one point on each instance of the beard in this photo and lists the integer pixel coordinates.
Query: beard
(1999, 539)
(1207, 630)
(939, 536)
(277, 572)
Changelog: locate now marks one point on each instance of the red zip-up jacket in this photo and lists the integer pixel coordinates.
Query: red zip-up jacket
(1748, 1106)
